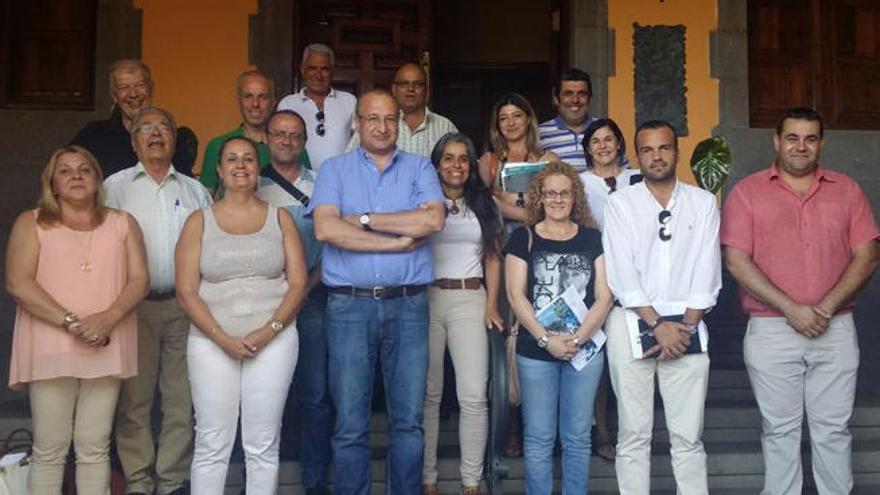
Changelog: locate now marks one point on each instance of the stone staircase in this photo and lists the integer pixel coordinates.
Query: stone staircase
(732, 435)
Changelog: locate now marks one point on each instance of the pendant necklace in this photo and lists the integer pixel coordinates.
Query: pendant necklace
(454, 209)
(85, 265)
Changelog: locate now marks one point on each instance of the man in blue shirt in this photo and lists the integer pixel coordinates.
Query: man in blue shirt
(372, 208)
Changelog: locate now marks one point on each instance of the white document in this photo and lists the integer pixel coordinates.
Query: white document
(564, 314)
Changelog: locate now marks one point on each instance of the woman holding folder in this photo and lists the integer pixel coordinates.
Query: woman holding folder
(559, 249)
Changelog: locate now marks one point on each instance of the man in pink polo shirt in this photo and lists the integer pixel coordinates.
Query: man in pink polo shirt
(802, 241)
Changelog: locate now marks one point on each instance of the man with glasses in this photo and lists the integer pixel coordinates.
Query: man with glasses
(663, 264)
(801, 240)
(419, 127)
(255, 95)
(373, 208)
(327, 111)
(160, 198)
(131, 88)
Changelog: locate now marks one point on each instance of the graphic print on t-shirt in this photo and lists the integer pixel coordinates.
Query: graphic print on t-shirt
(554, 272)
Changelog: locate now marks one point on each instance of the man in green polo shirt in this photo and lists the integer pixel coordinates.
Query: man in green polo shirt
(255, 94)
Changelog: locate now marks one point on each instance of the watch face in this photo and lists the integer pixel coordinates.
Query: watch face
(365, 219)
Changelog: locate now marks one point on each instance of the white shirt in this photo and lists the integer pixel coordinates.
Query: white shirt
(420, 141)
(160, 210)
(597, 191)
(455, 250)
(339, 109)
(643, 270)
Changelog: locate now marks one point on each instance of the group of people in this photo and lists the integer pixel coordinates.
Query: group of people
(328, 234)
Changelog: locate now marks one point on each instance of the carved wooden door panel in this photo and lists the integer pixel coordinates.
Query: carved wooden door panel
(371, 38)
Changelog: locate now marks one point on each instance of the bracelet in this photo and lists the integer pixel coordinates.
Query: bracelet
(69, 319)
(520, 200)
(691, 327)
(276, 326)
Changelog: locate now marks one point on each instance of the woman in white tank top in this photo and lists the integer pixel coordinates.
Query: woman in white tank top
(241, 278)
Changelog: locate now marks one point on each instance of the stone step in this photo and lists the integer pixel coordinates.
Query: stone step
(730, 467)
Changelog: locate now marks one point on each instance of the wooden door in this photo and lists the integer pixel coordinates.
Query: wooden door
(371, 38)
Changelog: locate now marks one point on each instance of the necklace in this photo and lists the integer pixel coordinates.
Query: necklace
(85, 265)
(454, 209)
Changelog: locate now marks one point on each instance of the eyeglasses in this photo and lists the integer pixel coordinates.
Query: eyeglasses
(320, 130)
(149, 128)
(664, 217)
(374, 120)
(284, 136)
(564, 194)
(410, 84)
(611, 182)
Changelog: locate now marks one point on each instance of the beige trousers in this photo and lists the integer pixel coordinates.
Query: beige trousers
(457, 321)
(789, 373)
(683, 386)
(72, 408)
(162, 334)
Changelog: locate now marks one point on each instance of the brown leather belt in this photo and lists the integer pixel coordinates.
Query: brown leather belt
(458, 283)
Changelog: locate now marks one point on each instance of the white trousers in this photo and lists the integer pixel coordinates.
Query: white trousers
(220, 386)
(683, 385)
(790, 372)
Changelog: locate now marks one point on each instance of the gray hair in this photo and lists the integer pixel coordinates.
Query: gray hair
(319, 48)
(136, 121)
(127, 64)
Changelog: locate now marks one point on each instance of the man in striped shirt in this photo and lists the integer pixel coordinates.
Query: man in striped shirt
(564, 134)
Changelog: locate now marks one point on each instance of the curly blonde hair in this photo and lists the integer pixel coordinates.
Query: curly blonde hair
(580, 210)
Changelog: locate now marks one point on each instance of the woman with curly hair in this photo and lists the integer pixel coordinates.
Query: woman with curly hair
(556, 249)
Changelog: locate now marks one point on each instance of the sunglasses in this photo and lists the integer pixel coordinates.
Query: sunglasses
(320, 130)
(664, 217)
(611, 182)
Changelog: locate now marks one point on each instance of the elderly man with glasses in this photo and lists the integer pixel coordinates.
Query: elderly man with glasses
(160, 198)
(326, 110)
(663, 260)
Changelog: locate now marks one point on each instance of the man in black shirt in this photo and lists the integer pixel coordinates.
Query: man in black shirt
(131, 87)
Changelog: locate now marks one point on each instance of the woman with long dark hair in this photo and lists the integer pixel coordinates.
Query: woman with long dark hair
(463, 304)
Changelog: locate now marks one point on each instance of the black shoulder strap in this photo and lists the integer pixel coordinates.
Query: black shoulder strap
(285, 184)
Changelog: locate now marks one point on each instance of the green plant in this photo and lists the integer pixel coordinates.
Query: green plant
(711, 163)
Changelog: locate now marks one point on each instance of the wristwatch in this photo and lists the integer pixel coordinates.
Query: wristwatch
(276, 326)
(691, 327)
(543, 341)
(657, 322)
(520, 200)
(365, 221)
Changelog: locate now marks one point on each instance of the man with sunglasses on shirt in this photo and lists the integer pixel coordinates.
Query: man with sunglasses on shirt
(663, 264)
(327, 111)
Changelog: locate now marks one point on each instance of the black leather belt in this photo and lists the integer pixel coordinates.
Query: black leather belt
(156, 295)
(379, 292)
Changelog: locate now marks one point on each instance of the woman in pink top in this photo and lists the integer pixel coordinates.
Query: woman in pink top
(76, 270)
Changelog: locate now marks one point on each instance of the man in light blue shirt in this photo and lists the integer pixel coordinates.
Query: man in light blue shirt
(372, 208)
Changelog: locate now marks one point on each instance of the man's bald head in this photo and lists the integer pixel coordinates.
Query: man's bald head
(410, 88)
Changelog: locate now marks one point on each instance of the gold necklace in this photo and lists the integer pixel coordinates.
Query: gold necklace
(85, 265)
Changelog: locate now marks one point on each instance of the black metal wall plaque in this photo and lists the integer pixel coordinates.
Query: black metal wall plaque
(659, 75)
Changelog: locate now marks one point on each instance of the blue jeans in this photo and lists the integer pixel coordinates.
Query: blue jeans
(553, 393)
(360, 330)
(312, 396)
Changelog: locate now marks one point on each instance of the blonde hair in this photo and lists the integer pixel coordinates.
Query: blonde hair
(580, 210)
(48, 207)
(497, 140)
